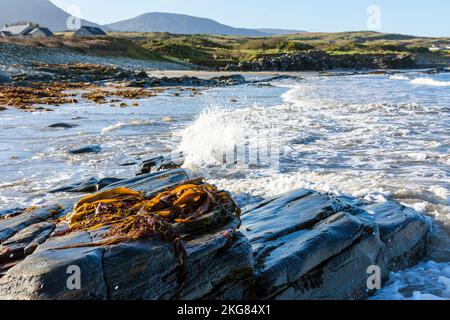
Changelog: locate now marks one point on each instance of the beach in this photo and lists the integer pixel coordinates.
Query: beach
(377, 137)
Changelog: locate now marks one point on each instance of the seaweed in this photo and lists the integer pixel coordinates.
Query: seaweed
(130, 216)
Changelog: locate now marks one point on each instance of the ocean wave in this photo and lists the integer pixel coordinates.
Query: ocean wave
(121, 125)
(430, 82)
(398, 77)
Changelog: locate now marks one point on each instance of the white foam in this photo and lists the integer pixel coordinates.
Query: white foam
(121, 125)
(430, 82)
(427, 281)
(398, 77)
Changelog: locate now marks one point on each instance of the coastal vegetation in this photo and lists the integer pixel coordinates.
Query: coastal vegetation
(215, 51)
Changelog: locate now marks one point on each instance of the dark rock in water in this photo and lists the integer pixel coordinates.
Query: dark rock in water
(88, 149)
(127, 164)
(90, 185)
(160, 163)
(312, 246)
(63, 125)
(197, 82)
(436, 71)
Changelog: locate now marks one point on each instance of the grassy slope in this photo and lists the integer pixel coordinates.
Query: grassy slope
(213, 51)
(221, 50)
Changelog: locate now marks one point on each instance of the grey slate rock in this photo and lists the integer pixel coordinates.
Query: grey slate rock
(88, 149)
(309, 245)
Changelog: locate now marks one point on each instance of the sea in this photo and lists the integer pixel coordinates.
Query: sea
(377, 136)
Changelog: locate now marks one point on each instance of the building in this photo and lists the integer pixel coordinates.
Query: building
(436, 48)
(18, 30)
(85, 31)
(25, 30)
(40, 32)
(5, 34)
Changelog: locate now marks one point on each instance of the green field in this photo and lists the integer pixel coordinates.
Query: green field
(219, 51)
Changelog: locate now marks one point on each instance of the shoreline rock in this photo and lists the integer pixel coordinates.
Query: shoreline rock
(300, 245)
(316, 60)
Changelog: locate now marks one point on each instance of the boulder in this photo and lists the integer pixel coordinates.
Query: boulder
(88, 149)
(63, 125)
(160, 163)
(301, 245)
(309, 245)
(218, 262)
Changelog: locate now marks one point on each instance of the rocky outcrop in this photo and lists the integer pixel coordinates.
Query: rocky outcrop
(316, 60)
(309, 245)
(217, 263)
(301, 245)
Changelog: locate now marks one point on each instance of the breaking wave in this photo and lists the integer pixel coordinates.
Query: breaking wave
(430, 82)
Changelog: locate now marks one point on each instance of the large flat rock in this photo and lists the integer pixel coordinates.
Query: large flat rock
(219, 262)
(309, 245)
(301, 245)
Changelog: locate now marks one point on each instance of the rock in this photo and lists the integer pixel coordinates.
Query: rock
(219, 263)
(317, 60)
(10, 226)
(88, 149)
(63, 125)
(44, 275)
(90, 185)
(309, 245)
(153, 182)
(186, 81)
(301, 245)
(3, 108)
(160, 163)
(25, 241)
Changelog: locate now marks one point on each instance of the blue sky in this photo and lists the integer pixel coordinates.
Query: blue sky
(417, 17)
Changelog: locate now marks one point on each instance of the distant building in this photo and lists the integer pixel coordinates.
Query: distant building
(18, 30)
(5, 34)
(436, 47)
(40, 32)
(85, 31)
(25, 30)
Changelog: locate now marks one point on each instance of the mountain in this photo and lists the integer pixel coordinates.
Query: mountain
(280, 31)
(179, 24)
(43, 12)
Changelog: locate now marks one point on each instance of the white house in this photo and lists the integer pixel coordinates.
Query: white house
(86, 31)
(436, 47)
(25, 30)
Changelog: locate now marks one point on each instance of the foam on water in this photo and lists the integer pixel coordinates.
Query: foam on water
(430, 82)
(121, 125)
(348, 137)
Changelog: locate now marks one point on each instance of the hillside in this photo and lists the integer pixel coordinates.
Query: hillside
(179, 24)
(43, 12)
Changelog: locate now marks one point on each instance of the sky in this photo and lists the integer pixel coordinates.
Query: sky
(415, 17)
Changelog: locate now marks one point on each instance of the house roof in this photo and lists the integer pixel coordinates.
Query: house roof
(17, 30)
(45, 31)
(93, 30)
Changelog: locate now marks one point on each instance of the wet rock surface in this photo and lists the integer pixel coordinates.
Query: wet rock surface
(313, 246)
(87, 149)
(63, 125)
(301, 245)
